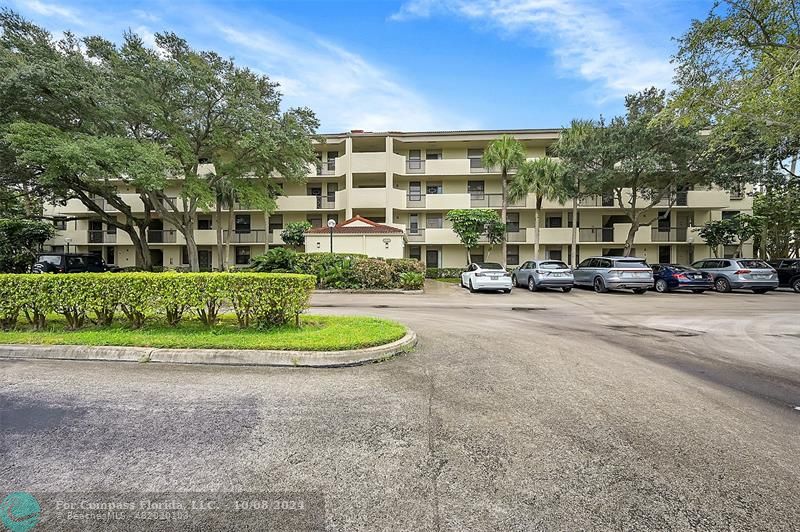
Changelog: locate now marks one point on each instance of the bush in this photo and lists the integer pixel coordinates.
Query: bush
(412, 280)
(372, 273)
(257, 298)
(275, 259)
(440, 273)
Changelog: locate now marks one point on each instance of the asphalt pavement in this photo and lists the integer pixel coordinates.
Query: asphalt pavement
(528, 411)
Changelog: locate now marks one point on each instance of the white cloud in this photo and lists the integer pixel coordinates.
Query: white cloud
(345, 90)
(586, 41)
(50, 10)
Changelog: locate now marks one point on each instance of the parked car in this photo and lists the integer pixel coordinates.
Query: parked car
(537, 274)
(750, 274)
(611, 273)
(678, 277)
(68, 263)
(788, 272)
(486, 276)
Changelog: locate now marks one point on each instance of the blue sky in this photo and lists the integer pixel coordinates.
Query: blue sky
(418, 64)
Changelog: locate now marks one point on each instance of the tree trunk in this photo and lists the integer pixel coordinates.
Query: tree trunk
(218, 225)
(504, 212)
(141, 249)
(231, 228)
(574, 245)
(536, 227)
(469, 256)
(631, 236)
(191, 250)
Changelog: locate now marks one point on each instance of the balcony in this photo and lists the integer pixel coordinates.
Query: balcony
(597, 201)
(669, 234)
(326, 202)
(162, 236)
(415, 234)
(516, 234)
(102, 237)
(677, 199)
(368, 162)
(415, 166)
(551, 235)
(491, 201)
(414, 200)
(253, 236)
(296, 203)
(595, 234)
(326, 167)
(366, 198)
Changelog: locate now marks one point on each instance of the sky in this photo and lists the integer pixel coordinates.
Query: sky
(417, 65)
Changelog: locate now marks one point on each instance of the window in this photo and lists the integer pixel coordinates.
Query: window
(477, 256)
(488, 265)
(553, 265)
(512, 223)
(433, 221)
(414, 155)
(727, 215)
(433, 155)
(203, 223)
(60, 223)
(184, 255)
(242, 255)
(432, 258)
(553, 221)
(475, 188)
(664, 254)
(433, 187)
(585, 264)
(512, 254)
(414, 252)
(111, 255)
(413, 224)
(554, 254)
(475, 155)
(415, 190)
(275, 222)
(729, 252)
(242, 224)
(315, 221)
(57, 249)
(332, 187)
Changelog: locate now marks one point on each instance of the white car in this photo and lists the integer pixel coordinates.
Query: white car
(486, 276)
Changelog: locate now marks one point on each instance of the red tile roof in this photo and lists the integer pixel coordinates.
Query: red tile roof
(370, 228)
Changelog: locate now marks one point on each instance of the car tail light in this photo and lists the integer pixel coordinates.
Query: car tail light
(740, 272)
(680, 276)
(61, 270)
(478, 274)
(506, 274)
(542, 272)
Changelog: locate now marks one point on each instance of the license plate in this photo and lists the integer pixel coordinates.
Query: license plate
(635, 274)
(760, 276)
(697, 276)
(494, 277)
(556, 274)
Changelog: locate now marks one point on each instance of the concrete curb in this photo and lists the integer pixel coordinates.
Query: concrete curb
(234, 357)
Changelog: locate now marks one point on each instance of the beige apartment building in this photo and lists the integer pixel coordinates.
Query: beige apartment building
(410, 181)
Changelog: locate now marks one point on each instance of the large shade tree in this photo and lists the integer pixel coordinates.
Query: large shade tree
(505, 154)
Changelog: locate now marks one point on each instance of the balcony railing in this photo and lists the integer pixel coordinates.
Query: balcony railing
(491, 201)
(676, 199)
(326, 167)
(415, 199)
(415, 166)
(253, 236)
(596, 234)
(669, 234)
(326, 202)
(415, 234)
(162, 236)
(102, 237)
(597, 201)
(476, 166)
(515, 234)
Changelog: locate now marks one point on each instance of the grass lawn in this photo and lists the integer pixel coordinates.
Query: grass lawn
(452, 280)
(316, 333)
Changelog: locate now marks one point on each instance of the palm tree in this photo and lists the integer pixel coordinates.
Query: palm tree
(544, 178)
(225, 193)
(570, 145)
(507, 154)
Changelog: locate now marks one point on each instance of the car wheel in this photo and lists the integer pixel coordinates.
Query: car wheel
(514, 281)
(796, 285)
(461, 282)
(760, 290)
(721, 284)
(698, 291)
(600, 285)
(507, 291)
(662, 286)
(567, 289)
(531, 284)
(639, 291)
(471, 289)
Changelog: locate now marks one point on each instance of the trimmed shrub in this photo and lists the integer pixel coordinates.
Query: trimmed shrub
(372, 273)
(314, 263)
(257, 298)
(439, 273)
(274, 260)
(412, 280)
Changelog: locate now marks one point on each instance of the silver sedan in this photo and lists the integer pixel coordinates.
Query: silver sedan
(537, 274)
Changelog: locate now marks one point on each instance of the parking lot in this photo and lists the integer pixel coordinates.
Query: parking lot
(524, 411)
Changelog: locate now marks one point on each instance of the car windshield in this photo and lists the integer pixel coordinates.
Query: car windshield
(51, 259)
(555, 265)
(489, 266)
(630, 264)
(754, 264)
(679, 268)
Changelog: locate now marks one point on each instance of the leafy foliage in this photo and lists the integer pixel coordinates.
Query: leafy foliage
(442, 273)
(257, 298)
(471, 224)
(412, 280)
(278, 259)
(736, 230)
(20, 240)
(294, 233)
(373, 273)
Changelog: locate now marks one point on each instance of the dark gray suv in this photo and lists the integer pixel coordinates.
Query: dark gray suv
(611, 273)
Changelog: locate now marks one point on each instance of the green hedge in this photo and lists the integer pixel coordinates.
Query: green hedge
(261, 299)
(344, 270)
(440, 273)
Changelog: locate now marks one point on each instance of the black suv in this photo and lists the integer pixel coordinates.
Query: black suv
(788, 272)
(68, 263)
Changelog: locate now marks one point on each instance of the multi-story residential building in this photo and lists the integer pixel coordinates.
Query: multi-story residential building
(410, 181)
